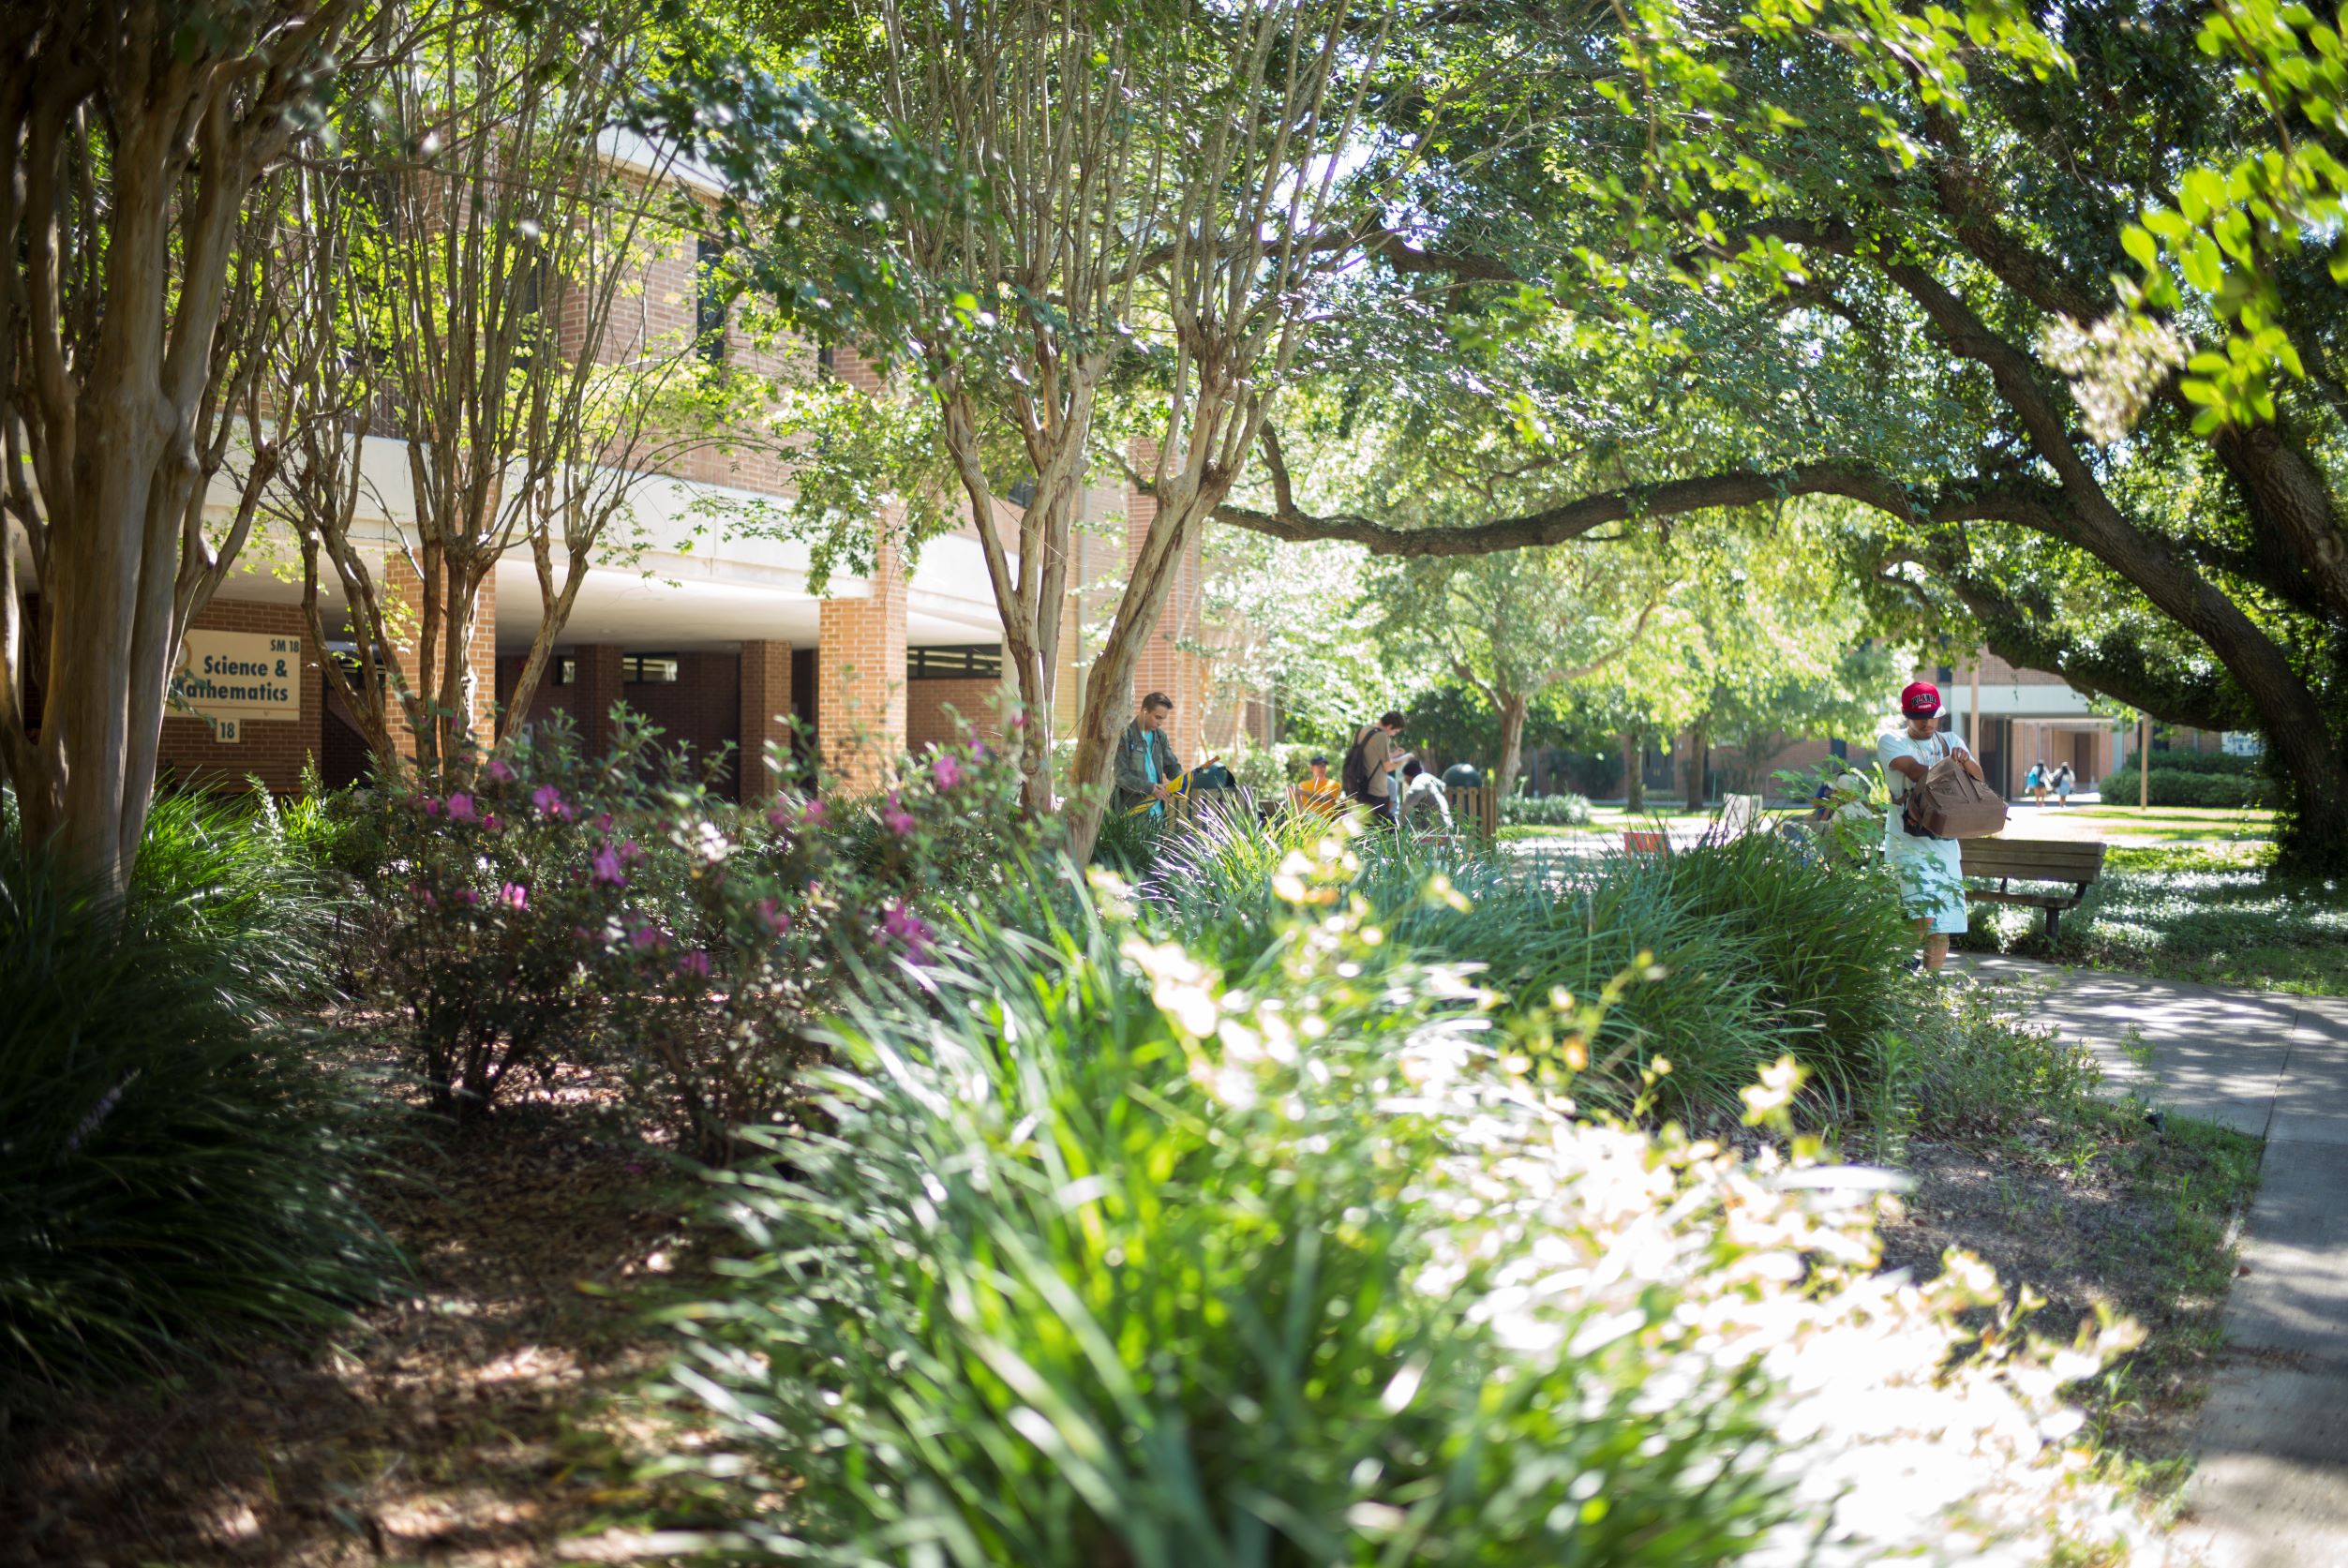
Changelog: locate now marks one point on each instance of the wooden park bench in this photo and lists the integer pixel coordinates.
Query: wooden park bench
(2077, 862)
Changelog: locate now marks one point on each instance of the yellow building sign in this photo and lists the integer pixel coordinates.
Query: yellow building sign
(238, 675)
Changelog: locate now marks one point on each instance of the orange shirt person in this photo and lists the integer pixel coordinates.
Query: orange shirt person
(1320, 793)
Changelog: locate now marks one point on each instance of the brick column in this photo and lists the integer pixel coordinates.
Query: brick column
(860, 659)
(599, 687)
(766, 715)
(402, 583)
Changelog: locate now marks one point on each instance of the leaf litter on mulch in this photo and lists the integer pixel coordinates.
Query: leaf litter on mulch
(481, 1418)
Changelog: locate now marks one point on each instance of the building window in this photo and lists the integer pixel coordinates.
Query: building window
(566, 670)
(709, 305)
(823, 360)
(649, 669)
(1022, 494)
(961, 662)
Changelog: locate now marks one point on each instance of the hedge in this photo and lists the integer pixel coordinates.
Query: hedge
(2183, 787)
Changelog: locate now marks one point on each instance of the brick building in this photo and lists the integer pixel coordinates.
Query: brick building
(713, 635)
(2011, 716)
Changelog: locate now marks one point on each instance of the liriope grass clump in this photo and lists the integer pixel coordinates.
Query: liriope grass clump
(1105, 1252)
(175, 1170)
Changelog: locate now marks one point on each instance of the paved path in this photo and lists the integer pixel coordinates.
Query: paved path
(2271, 1488)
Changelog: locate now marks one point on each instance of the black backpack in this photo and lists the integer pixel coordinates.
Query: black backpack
(1353, 777)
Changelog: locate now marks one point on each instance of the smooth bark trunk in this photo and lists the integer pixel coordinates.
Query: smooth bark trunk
(1513, 706)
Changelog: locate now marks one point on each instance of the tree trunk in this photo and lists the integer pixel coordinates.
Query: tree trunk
(1698, 752)
(1635, 769)
(1184, 502)
(1511, 737)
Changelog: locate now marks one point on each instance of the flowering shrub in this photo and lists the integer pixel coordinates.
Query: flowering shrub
(609, 912)
(1112, 1257)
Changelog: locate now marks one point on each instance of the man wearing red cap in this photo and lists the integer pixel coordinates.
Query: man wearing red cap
(1932, 879)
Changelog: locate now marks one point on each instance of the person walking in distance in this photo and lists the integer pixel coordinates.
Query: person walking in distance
(1931, 875)
(1370, 764)
(2035, 782)
(2064, 782)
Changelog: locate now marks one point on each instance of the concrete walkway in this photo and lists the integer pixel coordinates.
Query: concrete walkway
(2271, 1487)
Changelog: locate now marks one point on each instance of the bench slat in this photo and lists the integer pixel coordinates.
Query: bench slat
(2032, 860)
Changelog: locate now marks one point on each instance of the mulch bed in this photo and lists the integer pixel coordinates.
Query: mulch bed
(2127, 1229)
(478, 1418)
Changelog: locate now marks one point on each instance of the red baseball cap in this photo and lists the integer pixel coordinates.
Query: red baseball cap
(1921, 699)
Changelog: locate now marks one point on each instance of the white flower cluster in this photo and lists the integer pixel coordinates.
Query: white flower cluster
(1902, 1433)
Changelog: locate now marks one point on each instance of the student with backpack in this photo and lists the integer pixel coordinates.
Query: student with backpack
(1369, 766)
(1930, 870)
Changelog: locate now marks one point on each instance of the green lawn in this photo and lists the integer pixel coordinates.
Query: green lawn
(2151, 826)
(2204, 912)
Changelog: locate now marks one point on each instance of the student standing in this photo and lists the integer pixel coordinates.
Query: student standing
(1146, 763)
(1931, 875)
(1369, 766)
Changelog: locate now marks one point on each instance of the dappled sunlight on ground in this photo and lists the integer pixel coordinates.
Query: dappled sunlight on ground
(473, 1422)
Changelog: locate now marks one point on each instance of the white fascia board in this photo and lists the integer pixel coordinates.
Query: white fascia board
(642, 155)
(2021, 701)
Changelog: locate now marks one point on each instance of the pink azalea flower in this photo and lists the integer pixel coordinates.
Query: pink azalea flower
(1018, 721)
(645, 937)
(896, 819)
(773, 916)
(431, 804)
(814, 816)
(550, 801)
(464, 896)
(694, 964)
(513, 896)
(498, 770)
(903, 926)
(603, 821)
(607, 868)
(946, 772)
(491, 822)
(460, 807)
(978, 751)
(630, 853)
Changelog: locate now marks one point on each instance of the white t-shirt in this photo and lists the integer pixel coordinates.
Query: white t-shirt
(1894, 744)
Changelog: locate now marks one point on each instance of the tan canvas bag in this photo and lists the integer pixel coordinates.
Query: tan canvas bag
(1949, 803)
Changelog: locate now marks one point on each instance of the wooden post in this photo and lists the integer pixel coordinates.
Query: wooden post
(1973, 713)
(2144, 761)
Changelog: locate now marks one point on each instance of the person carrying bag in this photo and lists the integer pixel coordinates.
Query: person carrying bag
(1929, 813)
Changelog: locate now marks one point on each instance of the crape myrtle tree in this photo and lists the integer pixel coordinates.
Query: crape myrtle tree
(1155, 189)
(142, 143)
(468, 276)
(1935, 265)
(1052, 139)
